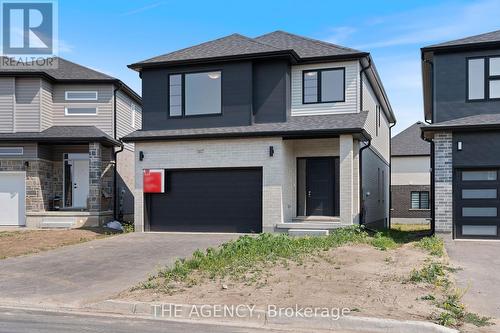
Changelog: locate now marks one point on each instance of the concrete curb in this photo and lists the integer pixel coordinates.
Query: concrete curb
(260, 318)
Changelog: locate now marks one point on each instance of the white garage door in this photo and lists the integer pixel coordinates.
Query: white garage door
(12, 198)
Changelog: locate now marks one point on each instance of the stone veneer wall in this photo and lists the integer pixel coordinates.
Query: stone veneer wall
(100, 177)
(443, 174)
(38, 181)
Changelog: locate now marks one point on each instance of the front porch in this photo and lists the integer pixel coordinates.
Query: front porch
(321, 185)
(72, 186)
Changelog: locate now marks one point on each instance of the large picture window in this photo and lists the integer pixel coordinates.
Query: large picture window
(323, 86)
(483, 78)
(195, 94)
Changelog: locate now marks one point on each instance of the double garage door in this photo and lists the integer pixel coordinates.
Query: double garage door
(208, 200)
(12, 198)
(477, 204)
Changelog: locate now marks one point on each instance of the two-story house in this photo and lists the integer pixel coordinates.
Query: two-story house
(461, 81)
(274, 133)
(61, 161)
(410, 177)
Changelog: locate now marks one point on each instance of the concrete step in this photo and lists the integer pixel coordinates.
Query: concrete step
(316, 219)
(56, 225)
(308, 232)
(309, 225)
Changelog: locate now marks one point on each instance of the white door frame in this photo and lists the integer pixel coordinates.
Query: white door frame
(23, 215)
(73, 157)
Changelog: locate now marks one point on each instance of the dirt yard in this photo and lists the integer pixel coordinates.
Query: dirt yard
(366, 280)
(22, 242)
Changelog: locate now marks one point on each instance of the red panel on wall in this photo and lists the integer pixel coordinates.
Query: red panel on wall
(154, 181)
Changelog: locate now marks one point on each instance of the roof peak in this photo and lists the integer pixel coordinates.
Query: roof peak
(487, 37)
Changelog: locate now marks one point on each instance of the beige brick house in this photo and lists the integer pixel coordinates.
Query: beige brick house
(274, 133)
(62, 163)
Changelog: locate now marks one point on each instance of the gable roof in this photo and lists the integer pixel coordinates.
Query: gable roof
(68, 71)
(305, 47)
(410, 143)
(57, 134)
(236, 46)
(485, 39)
(310, 126)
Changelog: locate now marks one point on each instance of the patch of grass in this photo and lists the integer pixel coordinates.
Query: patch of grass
(383, 242)
(128, 227)
(434, 245)
(411, 227)
(428, 298)
(239, 258)
(477, 320)
(433, 273)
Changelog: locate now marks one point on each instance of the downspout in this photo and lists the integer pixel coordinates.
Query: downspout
(115, 155)
(390, 172)
(368, 144)
(433, 206)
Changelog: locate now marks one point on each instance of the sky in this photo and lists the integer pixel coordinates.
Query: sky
(107, 35)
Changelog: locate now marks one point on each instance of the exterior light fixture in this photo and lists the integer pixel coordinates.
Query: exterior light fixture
(459, 145)
(271, 151)
(141, 156)
(214, 75)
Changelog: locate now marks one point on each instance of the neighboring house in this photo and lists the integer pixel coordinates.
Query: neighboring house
(462, 100)
(263, 134)
(410, 177)
(59, 135)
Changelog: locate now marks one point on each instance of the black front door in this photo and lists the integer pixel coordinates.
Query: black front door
(320, 186)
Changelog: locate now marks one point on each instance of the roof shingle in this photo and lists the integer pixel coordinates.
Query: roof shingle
(489, 37)
(409, 142)
(296, 125)
(237, 45)
(63, 134)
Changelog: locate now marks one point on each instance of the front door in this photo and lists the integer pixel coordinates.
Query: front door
(320, 186)
(76, 180)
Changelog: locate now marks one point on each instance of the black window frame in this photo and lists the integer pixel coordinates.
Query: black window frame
(183, 94)
(318, 86)
(487, 79)
(420, 200)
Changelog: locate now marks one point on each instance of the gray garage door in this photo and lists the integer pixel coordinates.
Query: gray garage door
(477, 204)
(214, 200)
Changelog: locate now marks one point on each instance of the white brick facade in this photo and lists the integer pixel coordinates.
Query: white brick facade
(279, 171)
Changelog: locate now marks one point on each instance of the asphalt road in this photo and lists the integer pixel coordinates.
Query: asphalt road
(23, 321)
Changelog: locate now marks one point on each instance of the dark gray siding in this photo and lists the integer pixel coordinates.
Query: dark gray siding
(270, 91)
(450, 82)
(480, 149)
(236, 98)
(375, 180)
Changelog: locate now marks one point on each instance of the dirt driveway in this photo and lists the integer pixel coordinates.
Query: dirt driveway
(480, 266)
(92, 271)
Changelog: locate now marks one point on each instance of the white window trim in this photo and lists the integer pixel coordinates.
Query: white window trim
(133, 116)
(10, 154)
(80, 114)
(66, 97)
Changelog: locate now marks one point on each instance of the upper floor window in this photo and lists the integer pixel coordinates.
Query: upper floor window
(323, 86)
(11, 150)
(483, 81)
(133, 110)
(195, 94)
(80, 111)
(81, 95)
